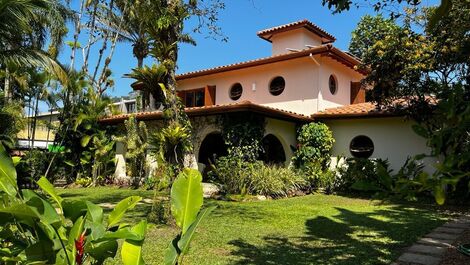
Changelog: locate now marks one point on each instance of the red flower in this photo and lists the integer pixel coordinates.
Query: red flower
(80, 246)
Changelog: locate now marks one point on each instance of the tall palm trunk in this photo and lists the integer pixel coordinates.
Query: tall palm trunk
(7, 86)
(35, 119)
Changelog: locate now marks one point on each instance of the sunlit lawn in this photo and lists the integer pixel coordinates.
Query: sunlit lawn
(315, 229)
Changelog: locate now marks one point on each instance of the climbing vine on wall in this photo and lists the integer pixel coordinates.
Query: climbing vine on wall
(242, 134)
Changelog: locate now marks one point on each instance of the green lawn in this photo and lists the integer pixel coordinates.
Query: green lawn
(315, 229)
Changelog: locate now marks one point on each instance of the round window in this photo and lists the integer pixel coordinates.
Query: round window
(236, 91)
(277, 86)
(361, 147)
(332, 84)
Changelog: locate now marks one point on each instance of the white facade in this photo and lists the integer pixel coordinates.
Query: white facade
(297, 39)
(306, 91)
(393, 139)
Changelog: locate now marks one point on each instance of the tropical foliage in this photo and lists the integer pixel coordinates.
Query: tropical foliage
(136, 142)
(427, 71)
(312, 156)
(44, 228)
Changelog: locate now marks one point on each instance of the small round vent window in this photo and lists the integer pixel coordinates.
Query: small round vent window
(361, 147)
(236, 91)
(277, 86)
(333, 85)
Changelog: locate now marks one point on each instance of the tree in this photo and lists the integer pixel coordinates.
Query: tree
(369, 30)
(428, 71)
(164, 26)
(23, 29)
(339, 6)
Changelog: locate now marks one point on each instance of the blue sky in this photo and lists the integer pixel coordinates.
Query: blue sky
(240, 21)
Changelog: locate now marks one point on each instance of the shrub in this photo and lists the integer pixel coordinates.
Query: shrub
(374, 176)
(256, 178)
(318, 178)
(356, 169)
(312, 156)
(274, 181)
(84, 182)
(32, 165)
(315, 141)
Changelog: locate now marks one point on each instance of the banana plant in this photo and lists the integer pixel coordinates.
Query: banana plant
(186, 203)
(43, 228)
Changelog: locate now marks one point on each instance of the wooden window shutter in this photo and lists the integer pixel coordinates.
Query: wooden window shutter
(180, 94)
(358, 93)
(209, 95)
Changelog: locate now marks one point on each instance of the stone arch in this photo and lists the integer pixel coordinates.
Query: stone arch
(273, 151)
(211, 148)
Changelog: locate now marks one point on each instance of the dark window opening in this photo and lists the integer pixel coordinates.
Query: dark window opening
(361, 147)
(212, 147)
(277, 86)
(193, 98)
(236, 91)
(272, 151)
(332, 84)
(130, 107)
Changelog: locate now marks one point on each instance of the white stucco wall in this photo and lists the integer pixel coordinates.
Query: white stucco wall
(295, 39)
(285, 132)
(303, 79)
(344, 77)
(393, 139)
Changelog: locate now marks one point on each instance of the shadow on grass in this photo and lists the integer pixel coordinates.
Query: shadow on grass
(346, 238)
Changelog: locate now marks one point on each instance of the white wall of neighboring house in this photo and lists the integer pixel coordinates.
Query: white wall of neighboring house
(393, 139)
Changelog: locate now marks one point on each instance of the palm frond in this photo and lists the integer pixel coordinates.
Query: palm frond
(33, 58)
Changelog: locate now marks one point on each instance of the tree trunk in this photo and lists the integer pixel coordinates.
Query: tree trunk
(78, 26)
(35, 119)
(7, 86)
(90, 38)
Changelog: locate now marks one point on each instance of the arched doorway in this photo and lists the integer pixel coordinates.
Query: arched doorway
(272, 151)
(212, 147)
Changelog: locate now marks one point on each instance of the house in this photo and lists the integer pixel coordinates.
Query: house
(47, 122)
(305, 79)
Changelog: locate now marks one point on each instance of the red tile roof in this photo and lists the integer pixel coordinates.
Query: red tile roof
(268, 33)
(243, 106)
(367, 109)
(326, 50)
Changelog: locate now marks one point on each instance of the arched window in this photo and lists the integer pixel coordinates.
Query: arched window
(361, 147)
(333, 84)
(277, 85)
(236, 91)
(272, 151)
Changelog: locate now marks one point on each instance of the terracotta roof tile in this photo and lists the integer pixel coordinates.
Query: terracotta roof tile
(267, 33)
(213, 110)
(366, 109)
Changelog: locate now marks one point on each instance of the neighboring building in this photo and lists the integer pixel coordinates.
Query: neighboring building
(303, 79)
(44, 134)
(47, 122)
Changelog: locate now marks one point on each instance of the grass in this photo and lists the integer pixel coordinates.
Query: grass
(314, 229)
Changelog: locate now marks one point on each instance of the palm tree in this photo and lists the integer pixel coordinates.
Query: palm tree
(24, 25)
